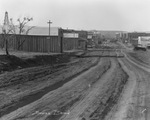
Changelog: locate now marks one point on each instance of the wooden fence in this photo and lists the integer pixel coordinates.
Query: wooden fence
(35, 43)
(30, 43)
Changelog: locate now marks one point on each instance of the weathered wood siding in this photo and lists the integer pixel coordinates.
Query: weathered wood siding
(37, 43)
(70, 43)
(34, 43)
(82, 44)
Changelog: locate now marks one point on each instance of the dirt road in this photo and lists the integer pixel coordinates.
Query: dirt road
(87, 88)
(134, 103)
(24, 86)
(138, 109)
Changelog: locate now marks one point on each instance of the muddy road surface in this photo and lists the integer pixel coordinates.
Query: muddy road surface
(99, 85)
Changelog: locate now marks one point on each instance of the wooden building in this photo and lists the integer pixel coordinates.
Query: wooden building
(74, 39)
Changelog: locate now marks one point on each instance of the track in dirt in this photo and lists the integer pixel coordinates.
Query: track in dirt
(104, 96)
(63, 99)
(115, 53)
(139, 108)
(37, 95)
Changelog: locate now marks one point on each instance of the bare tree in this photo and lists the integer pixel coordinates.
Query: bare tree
(22, 25)
(12, 30)
(22, 30)
(9, 31)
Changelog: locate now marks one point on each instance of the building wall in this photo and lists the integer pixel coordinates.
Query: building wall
(134, 36)
(70, 43)
(82, 41)
(82, 34)
(74, 39)
(81, 44)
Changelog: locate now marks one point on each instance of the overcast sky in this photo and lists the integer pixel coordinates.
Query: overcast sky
(128, 15)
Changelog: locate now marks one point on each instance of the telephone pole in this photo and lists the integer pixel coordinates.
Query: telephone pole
(48, 41)
(49, 22)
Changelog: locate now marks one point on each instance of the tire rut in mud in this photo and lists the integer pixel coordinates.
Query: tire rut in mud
(103, 68)
(37, 95)
(110, 97)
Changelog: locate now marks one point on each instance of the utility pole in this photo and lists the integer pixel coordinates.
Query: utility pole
(48, 41)
(49, 22)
